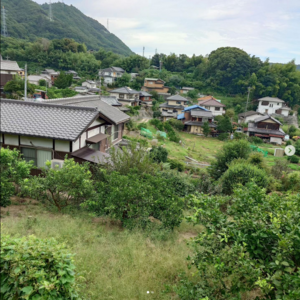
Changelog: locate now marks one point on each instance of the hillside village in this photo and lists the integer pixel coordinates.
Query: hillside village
(123, 177)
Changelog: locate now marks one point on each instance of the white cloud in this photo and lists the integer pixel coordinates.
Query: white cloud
(266, 28)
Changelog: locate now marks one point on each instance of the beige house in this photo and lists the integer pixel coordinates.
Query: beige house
(173, 106)
(126, 96)
(155, 84)
(212, 104)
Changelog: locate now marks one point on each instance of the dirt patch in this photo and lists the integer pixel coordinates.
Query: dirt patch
(186, 236)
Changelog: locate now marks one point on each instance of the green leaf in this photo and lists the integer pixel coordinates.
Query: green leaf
(285, 263)
(27, 290)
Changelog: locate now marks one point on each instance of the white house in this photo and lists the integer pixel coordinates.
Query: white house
(270, 106)
(126, 96)
(34, 79)
(89, 84)
(110, 75)
(212, 104)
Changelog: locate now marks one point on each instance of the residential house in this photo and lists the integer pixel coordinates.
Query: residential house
(110, 75)
(145, 98)
(34, 79)
(185, 90)
(270, 106)
(212, 104)
(173, 106)
(114, 118)
(81, 89)
(111, 100)
(154, 84)
(266, 128)
(194, 117)
(133, 76)
(126, 96)
(248, 116)
(48, 132)
(8, 69)
(53, 74)
(89, 84)
(74, 74)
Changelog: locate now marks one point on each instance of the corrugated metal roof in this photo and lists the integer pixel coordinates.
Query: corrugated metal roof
(45, 120)
(180, 116)
(195, 106)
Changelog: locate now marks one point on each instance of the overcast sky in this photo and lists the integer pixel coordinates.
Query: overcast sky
(264, 28)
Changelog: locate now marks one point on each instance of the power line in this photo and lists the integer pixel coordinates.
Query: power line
(4, 27)
(50, 12)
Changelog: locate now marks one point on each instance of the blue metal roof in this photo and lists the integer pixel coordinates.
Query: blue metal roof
(180, 116)
(195, 106)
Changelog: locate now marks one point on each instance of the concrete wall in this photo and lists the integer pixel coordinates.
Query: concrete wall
(62, 146)
(36, 141)
(276, 140)
(10, 139)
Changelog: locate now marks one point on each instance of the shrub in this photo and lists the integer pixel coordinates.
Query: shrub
(230, 151)
(131, 125)
(248, 243)
(257, 159)
(134, 197)
(176, 124)
(142, 125)
(174, 137)
(223, 136)
(156, 114)
(293, 159)
(279, 168)
(206, 129)
(13, 169)
(33, 268)
(174, 164)
(240, 136)
(255, 140)
(71, 184)
(42, 82)
(297, 147)
(242, 173)
(288, 143)
(291, 181)
(159, 154)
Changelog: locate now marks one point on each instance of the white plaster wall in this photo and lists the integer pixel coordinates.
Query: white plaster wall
(62, 146)
(36, 141)
(96, 123)
(93, 132)
(83, 138)
(276, 140)
(11, 139)
(75, 145)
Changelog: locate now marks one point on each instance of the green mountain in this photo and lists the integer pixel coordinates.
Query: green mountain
(28, 20)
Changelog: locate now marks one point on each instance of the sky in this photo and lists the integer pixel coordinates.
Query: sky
(264, 28)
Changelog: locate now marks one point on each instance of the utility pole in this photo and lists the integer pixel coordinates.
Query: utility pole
(50, 12)
(25, 85)
(156, 51)
(249, 89)
(4, 28)
(108, 24)
(143, 51)
(160, 63)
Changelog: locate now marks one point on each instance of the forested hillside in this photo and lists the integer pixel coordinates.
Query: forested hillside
(29, 20)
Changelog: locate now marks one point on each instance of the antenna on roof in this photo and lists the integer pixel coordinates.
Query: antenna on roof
(50, 12)
(4, 28)
(155, 51)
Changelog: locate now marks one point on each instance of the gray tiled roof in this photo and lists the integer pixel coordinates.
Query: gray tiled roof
(45, 120)
(124, 90)
(201, 113)
(248, 114)
(195, 123)
(9, 65)
(263, 118)
(145, 94)
(177, 98)
(171, 106)
(271, 99)
(111, 100)
(169, 114)
(108, 111)
(252, 128)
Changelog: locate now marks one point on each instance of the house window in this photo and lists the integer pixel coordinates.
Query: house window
(217, 108)
(178, 102)
(116, 133)
(121, 96)
(95, 146)
(277, 103)
(150, 82)
(271, 105)
(38, 156)
(265, 103)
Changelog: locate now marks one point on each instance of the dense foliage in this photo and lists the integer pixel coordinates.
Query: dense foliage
(250, 245)
(13, 170)
(71, 184)
(33, 268)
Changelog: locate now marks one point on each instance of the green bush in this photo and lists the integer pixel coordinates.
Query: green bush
(156, 114)
(70, 185)
(288, 143)
(223, 136)
(257, 159)
(13, 169)
(142, 125)
(174, 164)
(249, 243)
(33, 268)
(131, 125)
(240, 136)
(133, 198)
(159, 154)
(176, 124)
(297, 146)
(291, 181)
(230, 151)
(293, 159)
(255, 140)
(242, 173)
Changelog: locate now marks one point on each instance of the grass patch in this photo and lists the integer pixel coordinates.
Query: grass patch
(115, 263)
